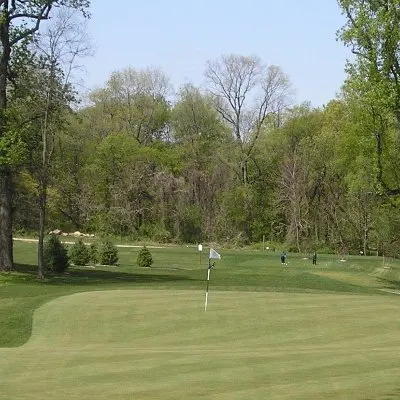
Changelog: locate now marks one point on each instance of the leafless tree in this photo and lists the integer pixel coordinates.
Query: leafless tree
(246, 93)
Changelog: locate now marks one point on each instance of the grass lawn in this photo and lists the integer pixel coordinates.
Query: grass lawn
(329, 331)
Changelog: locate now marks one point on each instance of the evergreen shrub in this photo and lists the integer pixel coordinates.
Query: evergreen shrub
(144, 258)
(108, 253)
(55, 255)
(79, 253)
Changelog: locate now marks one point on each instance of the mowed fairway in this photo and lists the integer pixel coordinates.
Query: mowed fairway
(160, 344)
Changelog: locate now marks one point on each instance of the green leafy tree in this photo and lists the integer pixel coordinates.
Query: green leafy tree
(372, 31)
(134, 102)
(46, 104)
(203, 143)
(75, 145)
(19, 21)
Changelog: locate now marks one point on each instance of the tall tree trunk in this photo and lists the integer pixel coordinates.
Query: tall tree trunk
(6, 244)
(42, 223)
(6, 241)
(246, 205)
(43, 179)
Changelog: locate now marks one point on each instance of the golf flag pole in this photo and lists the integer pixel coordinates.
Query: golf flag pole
(200, 249)
(208, 281)
(216, 256)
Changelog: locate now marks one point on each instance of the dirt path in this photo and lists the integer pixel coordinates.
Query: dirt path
(87, 243)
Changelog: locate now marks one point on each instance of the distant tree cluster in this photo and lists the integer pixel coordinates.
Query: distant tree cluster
(235, 161)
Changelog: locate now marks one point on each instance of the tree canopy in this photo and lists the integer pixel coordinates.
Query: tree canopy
(234, 161)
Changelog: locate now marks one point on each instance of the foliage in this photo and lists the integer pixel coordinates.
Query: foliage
(79, 253)
(107, 253)
(190, 225)
(93, 253)
(372, 32)
(160, 234)
(13, 149)
(55, 255)
(136, 102)
(20, 22)
(144, 259)
(304, 178)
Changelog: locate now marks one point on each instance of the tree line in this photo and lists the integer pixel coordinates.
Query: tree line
(234, 161)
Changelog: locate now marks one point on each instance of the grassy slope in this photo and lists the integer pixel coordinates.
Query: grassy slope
(274, 332)
(21, 294)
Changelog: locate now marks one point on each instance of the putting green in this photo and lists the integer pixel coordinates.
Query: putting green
(149, 344)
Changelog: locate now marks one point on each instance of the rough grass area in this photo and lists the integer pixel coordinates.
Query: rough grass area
(279, 332)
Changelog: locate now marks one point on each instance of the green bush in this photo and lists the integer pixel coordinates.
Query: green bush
(190, 222)
(79, 253)
(161, 235)
(93, 253)
(108, 253)
(55, 255)
(144, 258)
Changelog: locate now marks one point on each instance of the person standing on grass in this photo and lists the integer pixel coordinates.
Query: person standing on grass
(283, 258)
(314, 258)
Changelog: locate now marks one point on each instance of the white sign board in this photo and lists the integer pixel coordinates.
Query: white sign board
(200, 247)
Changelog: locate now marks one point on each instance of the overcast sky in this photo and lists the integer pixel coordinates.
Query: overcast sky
(179, 36)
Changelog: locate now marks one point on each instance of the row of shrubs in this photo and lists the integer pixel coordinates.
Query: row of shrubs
(57, 257)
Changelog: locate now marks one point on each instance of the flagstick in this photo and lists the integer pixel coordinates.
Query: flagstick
(208, 281)
(213, 255)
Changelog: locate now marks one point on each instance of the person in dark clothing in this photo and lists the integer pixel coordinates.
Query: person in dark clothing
(314, 258)
(283, 258)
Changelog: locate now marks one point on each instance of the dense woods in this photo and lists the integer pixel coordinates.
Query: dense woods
(232, 162)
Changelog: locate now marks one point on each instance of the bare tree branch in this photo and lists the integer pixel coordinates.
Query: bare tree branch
(246, 93)
(43, 14)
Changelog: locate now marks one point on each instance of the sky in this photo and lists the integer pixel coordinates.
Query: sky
(180, 36)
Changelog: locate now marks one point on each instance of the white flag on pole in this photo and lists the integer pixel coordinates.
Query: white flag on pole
(214, 255)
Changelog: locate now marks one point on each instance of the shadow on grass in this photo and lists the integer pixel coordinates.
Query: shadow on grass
(77, 276)
(390, 284)
(25, 269)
